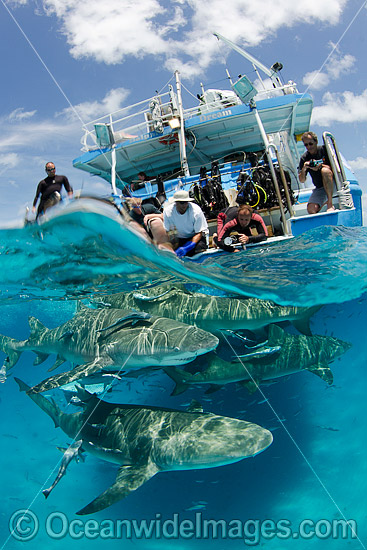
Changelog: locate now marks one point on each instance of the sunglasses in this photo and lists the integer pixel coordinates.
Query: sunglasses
(50, 169)
(309, 143)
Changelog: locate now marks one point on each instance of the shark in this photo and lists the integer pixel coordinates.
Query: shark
(282, 355)
(97, 339)
(145, 440)
(212, 313)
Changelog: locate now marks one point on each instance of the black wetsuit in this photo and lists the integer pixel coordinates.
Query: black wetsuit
(47, 187)
(138, 217)
(228, 223)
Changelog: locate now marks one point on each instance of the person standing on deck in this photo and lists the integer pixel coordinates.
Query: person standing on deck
(188, 219)
(316, 163)
(49, 189)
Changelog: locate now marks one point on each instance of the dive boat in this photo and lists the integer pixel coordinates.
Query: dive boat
(244, 142)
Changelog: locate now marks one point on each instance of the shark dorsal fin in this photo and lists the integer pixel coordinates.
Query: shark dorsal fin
(37, 328)
(195, 406)
(83, 394)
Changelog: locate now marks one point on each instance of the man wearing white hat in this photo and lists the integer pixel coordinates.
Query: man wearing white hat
(189, 221)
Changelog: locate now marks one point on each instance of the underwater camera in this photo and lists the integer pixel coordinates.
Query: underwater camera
(314, 163)
(232, 240)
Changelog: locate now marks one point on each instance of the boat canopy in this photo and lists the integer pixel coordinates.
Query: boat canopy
(145, 136)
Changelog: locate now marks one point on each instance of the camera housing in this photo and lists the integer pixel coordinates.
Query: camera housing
(313, 163)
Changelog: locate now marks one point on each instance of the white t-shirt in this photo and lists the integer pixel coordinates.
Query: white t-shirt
(188, 224)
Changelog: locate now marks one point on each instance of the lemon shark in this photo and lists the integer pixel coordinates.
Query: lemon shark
(145, 440)
(211, 312)
(282, 355)
(109, 338)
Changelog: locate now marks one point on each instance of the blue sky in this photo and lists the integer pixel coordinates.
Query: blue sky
(99, 56)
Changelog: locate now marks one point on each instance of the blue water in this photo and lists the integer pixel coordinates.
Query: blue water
(314, 470)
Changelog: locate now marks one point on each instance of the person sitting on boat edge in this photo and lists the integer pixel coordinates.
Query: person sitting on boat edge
(50, 189)
(243, 220)
(315, 162)
(148, 221)
(189, 221)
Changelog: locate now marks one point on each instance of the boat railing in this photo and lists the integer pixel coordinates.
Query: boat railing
(140, 120)
(155, 114)
(336, 162)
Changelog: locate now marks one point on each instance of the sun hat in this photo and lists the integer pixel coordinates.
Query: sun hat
(182, 196)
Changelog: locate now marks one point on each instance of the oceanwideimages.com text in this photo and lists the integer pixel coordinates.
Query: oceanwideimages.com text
(24, 525)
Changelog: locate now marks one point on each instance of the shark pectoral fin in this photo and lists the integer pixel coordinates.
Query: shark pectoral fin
(41, 357)
(250, 385)
(59, 361)
(70, 376)
(179, 377)
(129, 478)
(324, 372)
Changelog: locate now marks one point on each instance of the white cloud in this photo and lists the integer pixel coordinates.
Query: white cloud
(316, 80)
(180, 31)
(335, 66)
(113, 101)
(341, 107)
(360, 163)
(20, 115)
(9, 160)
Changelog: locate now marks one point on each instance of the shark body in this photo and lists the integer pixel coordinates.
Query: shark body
(146, 440)
(211, 312)
(289, 354)
(110, 338)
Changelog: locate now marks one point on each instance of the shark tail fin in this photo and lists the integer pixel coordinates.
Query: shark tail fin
(9, 346)
(179, 377)
(49, 407)
(37, 328)
(303, 324)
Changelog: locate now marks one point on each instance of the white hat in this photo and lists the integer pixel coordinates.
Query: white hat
(182, 196)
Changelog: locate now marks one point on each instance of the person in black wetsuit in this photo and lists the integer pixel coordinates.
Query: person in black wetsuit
(49, 189)
(315, 162)
(242, 220)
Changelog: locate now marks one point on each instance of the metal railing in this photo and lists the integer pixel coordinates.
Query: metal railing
(337, 167)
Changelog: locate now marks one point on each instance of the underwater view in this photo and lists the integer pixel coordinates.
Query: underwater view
(211, 405)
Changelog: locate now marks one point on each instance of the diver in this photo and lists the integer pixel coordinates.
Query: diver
(50, 190)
